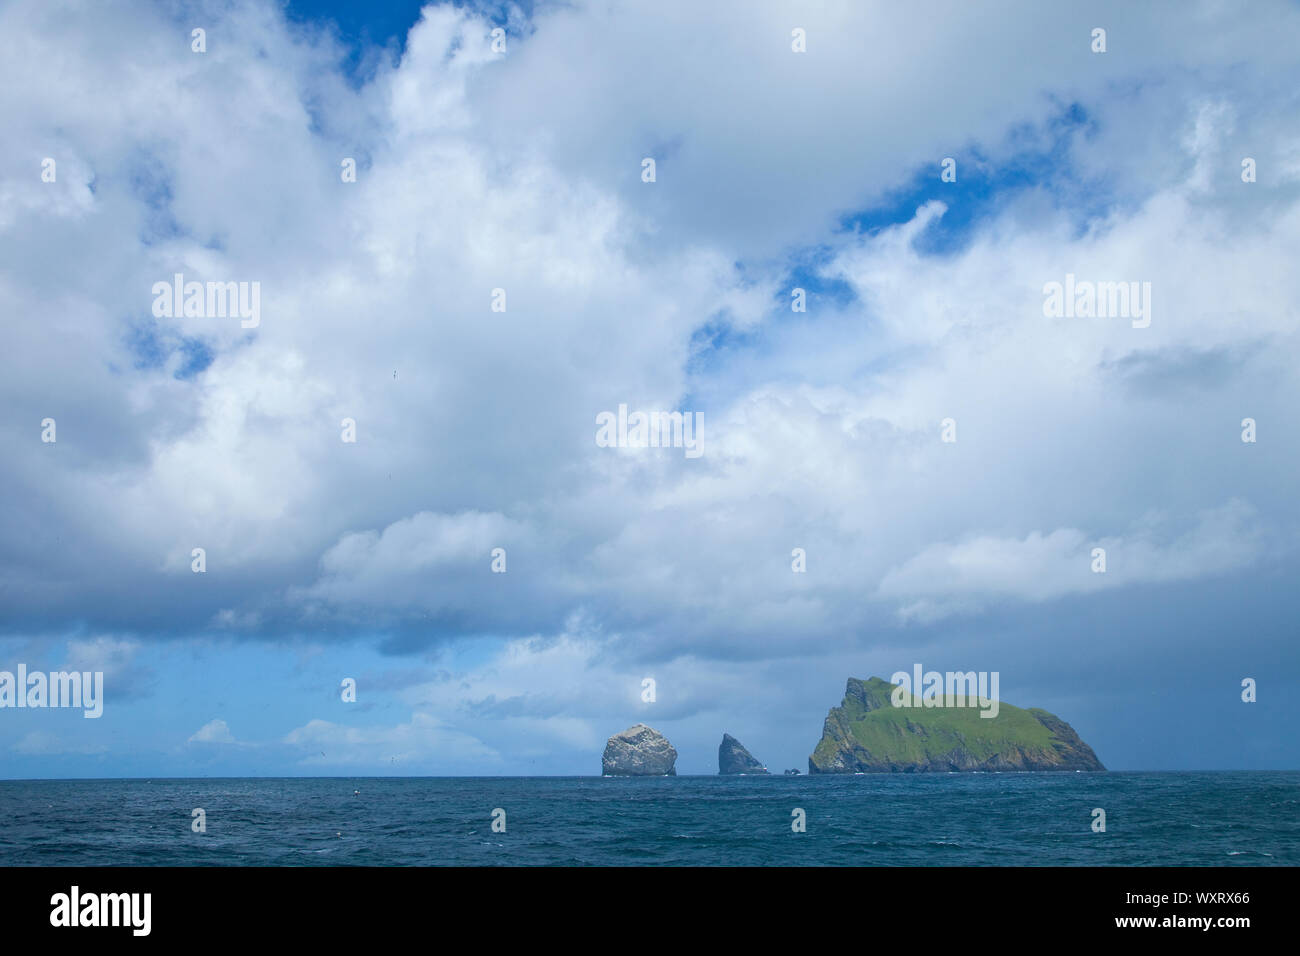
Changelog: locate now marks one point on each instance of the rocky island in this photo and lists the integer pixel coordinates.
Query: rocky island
(639, 751)
(734, 758)
(868, 734)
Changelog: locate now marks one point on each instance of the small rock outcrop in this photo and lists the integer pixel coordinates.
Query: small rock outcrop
(734, 758)
(639, 751)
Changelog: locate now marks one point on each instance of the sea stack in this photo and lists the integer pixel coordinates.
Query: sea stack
(870, 733)
(639, 751)
(734, 758)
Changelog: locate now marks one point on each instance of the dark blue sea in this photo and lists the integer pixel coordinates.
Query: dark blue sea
(1010, 819)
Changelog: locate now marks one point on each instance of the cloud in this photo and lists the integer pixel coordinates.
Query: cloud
(413, 556)
(213, 732)
(414, 743)
(117, 658)
(1041, 567)
(475, 428)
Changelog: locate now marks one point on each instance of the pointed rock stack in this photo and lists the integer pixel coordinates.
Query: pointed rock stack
(734, 758)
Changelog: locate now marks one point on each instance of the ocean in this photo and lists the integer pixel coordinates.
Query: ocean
(990, 819)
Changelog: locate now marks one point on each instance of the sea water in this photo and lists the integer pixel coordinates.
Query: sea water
(999, 819)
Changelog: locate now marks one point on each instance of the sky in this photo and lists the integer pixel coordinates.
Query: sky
(474, 412)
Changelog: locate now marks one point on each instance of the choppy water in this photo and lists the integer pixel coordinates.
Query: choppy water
(878, 820)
